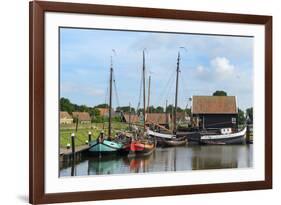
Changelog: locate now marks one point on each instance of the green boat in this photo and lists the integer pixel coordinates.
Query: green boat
(104, 147)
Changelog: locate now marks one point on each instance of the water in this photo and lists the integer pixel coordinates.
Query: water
(165, 159)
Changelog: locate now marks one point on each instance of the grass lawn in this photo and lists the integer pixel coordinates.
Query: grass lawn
(84, 129)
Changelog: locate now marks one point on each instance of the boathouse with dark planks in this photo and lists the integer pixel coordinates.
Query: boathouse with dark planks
(214, 112)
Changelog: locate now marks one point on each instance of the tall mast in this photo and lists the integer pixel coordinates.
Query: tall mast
(129, 116)
(110, 98)
(148, 100)
(167, 121)
(143, 75)
(176, 97)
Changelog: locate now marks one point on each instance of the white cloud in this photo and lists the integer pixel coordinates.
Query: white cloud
(200, 69)
(219, 68)
(223, 68)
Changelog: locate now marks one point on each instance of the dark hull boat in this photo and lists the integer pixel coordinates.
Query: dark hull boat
(168, 140)
(174, 142)
(193, 137)
(160, 137)
(223, 139)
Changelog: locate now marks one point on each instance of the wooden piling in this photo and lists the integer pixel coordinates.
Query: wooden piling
(89, 137)
(73, 145)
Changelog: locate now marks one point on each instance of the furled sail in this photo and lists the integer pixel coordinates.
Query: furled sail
(157, 134)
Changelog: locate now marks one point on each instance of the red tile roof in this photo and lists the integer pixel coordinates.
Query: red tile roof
(214, 105)
(82, 116)
(65, 115)
(158, 118)
(134, 118)
(104, 111)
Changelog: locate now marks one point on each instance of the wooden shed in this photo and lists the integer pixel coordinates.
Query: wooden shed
(214, 112)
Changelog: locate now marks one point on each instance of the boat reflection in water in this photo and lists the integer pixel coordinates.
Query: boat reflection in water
(104, 165)
(217, 156)
(165, 159)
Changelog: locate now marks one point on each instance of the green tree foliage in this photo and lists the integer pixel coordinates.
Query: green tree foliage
(125, 109)
(159, 109)
(170, 109)
(102, 106)
(220, 93)
(153, 109)
(66, 105)
(241, 117)
(188, 111)
(116, 119)
(249, 113)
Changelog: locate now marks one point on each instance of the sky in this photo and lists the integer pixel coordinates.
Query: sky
(208, 63)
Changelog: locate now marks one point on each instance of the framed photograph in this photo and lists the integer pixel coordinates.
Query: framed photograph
(132, 102)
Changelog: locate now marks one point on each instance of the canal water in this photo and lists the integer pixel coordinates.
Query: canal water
(189, 157)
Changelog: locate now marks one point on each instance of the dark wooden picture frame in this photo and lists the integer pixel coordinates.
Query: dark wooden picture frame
(37, 95)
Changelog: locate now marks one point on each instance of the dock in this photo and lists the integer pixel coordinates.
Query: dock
(66, 154)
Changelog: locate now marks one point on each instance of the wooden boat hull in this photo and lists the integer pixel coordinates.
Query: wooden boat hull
(192, 137)
(232, 141)
(104, 147)
(125, 149)
(175, 143)
(138, 149)
(235, 138)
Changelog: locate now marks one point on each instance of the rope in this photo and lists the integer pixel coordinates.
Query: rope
(168, 85)
(115, 88)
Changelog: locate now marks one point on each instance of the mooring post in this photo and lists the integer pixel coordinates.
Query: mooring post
(89, 137)
(73, 145)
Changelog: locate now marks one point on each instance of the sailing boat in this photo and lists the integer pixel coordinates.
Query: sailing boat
(141, 145)
(171, 139)
(226, 136)
(104, 145)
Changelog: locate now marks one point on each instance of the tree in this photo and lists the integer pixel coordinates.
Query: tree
(83, 108)
(125, 109)
(220, 93)
(159, 109)
(170, 109)
(94, 112)
(188, 111)
(249, 113)
(66, 105)
(151, 109)
(102, 106)
(241, 117)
